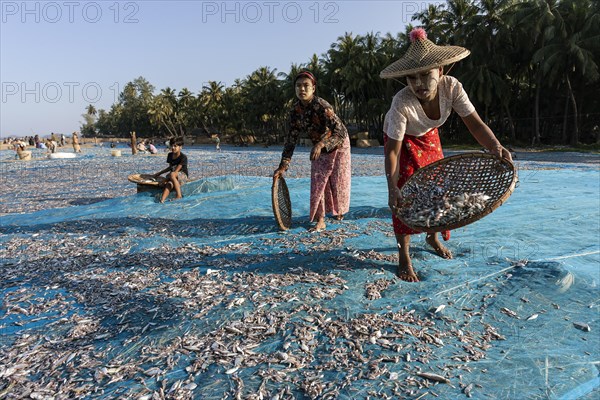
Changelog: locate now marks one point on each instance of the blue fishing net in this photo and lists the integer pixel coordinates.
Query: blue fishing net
(204, 297)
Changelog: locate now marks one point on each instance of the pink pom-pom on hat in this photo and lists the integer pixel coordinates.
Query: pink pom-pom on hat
(417, 34)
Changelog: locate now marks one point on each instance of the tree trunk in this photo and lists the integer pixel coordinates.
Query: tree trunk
(172, 133)
(565, 137)
(511, 124)
(536, 132)
(575, 135)
(133, 143)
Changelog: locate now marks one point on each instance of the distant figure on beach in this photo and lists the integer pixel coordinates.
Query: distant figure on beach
(53, 137)
(411, 128)
(177, 170)
(141, 147)
(330, 175)
(218, 143)
(51, 145)
(63, 140)
(75, 143)
(151, 148)
(37, 141)
(19, 147)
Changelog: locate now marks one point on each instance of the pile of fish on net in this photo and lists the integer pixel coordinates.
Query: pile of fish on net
(424, 208)
(97, 320)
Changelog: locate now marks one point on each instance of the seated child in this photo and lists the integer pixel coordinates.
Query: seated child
(177, 170)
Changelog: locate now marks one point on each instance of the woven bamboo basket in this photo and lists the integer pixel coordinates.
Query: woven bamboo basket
(146, 182)
(282, 205)
(470, 173)
(146, 179)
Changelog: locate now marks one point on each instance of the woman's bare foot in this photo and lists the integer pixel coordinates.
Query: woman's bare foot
(339, 217)
(405, 270)
(320, 226)
(438, 247)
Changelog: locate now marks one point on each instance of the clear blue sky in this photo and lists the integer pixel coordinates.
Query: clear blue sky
(58, 57)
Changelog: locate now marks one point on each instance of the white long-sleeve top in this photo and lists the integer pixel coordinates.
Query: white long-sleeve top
(407, 117)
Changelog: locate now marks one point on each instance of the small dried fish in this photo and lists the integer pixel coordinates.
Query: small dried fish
(509, 312)
(532, 317)
(433, 377)
(153, 371)
(428, 209)
(439, 308)
(232, 370)
(582, 326)
(467, 390)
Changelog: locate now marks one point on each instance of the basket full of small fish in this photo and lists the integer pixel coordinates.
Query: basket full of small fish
(456, 191)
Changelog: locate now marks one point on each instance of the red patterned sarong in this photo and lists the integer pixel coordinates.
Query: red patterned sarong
(330, 180)
(417, 152)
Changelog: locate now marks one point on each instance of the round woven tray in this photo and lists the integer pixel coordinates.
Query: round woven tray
(282, 205)
(478, 174)
(145, 179)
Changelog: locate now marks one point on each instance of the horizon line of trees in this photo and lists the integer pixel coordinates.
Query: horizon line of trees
(532, 75)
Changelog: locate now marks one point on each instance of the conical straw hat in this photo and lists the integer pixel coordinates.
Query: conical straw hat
(423, 55)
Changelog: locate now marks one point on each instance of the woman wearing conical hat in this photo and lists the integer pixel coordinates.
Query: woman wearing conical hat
(411, 128)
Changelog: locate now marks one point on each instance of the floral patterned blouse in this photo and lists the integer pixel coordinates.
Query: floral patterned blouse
(320, 122)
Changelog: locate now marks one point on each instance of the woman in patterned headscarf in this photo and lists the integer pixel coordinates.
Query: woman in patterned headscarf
(411, 128)
(330, 155)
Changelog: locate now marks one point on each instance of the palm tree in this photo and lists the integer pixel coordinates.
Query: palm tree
(214, 91)
(91, 110)
(341, 54)
(372, 62)
(185, 97)
(135, 100)
(432, 20)
(536, 20)
(391, 48)
(569, 53)
(169, 95)
(287, 81)
(455, 20)
(189, 109)
(160, 112)
(263, 90)
(211, 100)
(88, 129)
(234, 108)
(485, 72)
